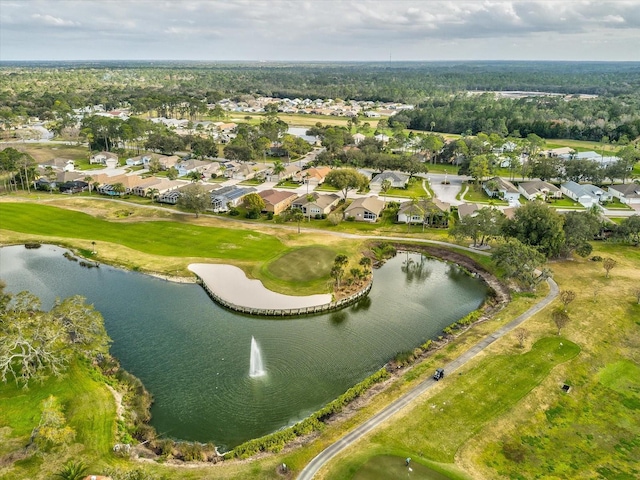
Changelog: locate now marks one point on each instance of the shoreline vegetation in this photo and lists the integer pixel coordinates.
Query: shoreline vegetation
(344, 418)
(133, 401)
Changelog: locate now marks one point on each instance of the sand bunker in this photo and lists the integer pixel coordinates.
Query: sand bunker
(232, 285)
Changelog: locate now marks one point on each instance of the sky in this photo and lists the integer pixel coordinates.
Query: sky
(319, 30)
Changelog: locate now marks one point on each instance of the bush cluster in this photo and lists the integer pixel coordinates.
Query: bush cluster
(276, 441)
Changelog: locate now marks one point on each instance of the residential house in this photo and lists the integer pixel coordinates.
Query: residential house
(312, 176)
(129, 182)
(429, 212)
(315, 203)
(171, 197)
(365, 209)
(537, 189)
(398, 180)
(247, 171)
(188, 166)
(501, 188)
(142, 190)
(628, 194)
(59, 164)
(139, 160)
(358, 137)
(212, 170)
(165, 161)
(586, 195)
(468, 209)
(230, 196)
(289, 172)
(276, 201)
(74, 186)
(102, 158)
(381, 137)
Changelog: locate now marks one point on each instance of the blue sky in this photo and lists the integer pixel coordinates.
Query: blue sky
(367, 30)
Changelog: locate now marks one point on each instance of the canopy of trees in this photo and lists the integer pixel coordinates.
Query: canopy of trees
(36, 344)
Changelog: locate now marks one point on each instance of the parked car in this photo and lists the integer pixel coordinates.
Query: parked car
(439, 374)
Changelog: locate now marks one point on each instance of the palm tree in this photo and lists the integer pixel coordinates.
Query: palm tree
(297, 216)
(88, 179)
(119, 188)
(72, 471)
(278, 168)
(153, 193)
(385, 187)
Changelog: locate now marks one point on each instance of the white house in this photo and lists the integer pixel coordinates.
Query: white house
(586, 195)
(501, 188)
(398, 180)
(358, 137)
(628, 194)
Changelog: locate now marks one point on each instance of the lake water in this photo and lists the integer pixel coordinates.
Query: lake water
(193, 356)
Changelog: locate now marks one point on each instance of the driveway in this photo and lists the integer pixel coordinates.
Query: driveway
(446, 193)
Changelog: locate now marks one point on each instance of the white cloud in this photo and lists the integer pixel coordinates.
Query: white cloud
(53, 21)
(318, 29)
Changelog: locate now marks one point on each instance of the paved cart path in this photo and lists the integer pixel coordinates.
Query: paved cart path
(323, 457)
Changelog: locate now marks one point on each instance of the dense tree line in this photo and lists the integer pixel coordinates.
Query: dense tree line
(51, 90)
(616, 119)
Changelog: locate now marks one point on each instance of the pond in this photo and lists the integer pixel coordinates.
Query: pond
(194, 356)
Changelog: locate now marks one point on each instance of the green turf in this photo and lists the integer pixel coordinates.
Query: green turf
(438, 427)
(88, 406)
(476, 397)
(384, 467)
(303, 264)
(622, 376)
(157, 238)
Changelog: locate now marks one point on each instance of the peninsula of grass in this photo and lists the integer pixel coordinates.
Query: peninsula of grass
(300, 271)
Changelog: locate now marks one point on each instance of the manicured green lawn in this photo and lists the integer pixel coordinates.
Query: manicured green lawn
(476, 194)
(158, 238)
(413, 190)
(300, 271)
(437, 427)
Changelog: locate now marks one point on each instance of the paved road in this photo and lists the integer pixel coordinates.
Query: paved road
(446, 192)
(323, 457)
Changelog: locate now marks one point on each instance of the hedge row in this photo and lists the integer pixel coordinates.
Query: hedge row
(276, 441)
(463, 322)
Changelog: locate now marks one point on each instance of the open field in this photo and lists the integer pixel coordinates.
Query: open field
(593, 428)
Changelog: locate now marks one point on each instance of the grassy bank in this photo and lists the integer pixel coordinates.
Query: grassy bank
(505, 415)
(89, 409)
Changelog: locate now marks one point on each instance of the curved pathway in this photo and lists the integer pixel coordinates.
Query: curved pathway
(327, 454)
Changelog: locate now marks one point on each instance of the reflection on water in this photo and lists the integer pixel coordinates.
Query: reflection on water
(415, 269)
(194, 356)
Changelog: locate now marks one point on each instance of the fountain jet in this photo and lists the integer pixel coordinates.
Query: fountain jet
(256, 368)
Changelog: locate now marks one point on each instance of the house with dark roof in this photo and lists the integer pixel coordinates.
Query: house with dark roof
(628, 194)
(365, 209)
(537, 189)
(229, 196)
